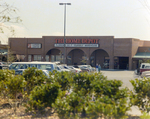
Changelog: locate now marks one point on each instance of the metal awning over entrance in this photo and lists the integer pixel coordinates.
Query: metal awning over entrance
(142, 55)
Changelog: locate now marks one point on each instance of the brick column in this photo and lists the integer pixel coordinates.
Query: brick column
(130, 63)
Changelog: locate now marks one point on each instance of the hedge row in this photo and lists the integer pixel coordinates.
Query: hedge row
(70, 95)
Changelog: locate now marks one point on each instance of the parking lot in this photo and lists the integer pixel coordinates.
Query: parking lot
(125, 76)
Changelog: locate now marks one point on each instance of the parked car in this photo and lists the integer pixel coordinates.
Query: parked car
(145, 74)
(20, 72)
(74, 70)
(50, 66)
(4, 65)
(61, 68)
(144, 67)
(84, 68)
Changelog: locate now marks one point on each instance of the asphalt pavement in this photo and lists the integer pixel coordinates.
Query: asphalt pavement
(125, 76)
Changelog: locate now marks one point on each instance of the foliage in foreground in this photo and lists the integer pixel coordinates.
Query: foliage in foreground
(69, 95)
(92, 95)
(141, 95)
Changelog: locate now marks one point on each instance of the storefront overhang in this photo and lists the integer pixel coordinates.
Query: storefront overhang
(142, 55)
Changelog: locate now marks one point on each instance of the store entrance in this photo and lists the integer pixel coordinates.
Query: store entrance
(123, 62)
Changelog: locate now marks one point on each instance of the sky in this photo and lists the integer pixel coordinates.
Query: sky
(118, 18)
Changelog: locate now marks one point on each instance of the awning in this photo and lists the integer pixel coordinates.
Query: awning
(142, 55)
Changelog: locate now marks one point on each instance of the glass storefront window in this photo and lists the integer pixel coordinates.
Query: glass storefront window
(37, 57)
(29, 58)
(68, 60)
(47, 58)
(52, 58)
(58, 57)
(106, 63)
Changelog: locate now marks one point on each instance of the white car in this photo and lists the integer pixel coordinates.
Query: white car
(60, 68)
(20, 72)
(145, 74)
(74, 70)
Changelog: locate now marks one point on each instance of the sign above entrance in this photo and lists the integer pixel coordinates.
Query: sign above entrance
(77, 43)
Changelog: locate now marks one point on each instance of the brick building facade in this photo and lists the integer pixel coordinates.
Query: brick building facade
(109, 52)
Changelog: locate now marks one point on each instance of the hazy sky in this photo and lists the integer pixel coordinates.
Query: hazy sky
(118, 18)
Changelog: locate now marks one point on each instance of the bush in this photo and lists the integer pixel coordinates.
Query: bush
(70, 106)
(33, 77)
(63, 78)
(15, 85)
(5, 75)
(74, 95)
(110, 100)
(43, 96)
(141, 94)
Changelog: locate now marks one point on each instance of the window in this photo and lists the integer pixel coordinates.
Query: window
(58, 58)
(47, 58)
(37, 58)
(147, 67)
(143, 66)
(21, 66)
(29, 58)
(45, 66)
(34, 65)
(14, 66)
(52, 58)
(27, 65)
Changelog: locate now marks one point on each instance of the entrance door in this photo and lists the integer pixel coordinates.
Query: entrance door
(123, 62)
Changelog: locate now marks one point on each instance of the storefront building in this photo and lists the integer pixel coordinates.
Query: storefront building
(109, 52)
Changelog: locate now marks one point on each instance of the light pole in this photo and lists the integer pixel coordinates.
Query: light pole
(64, 29)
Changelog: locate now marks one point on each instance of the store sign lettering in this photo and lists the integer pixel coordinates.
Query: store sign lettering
(34, 45)
(77, 41)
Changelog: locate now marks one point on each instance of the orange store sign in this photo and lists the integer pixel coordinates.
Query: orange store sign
(77, 43)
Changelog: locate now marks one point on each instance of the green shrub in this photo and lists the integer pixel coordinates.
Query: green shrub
(43, 96)
(110, 98)
(33, 77)
(109, 94)
(141, 94)
(70, 106)
(80, 95)
(83, 81)
(5, 75)
(63, 78)
(15, 85)
(145, 116)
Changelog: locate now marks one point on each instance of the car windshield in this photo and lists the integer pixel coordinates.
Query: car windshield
(45, 66)
(82, 66)
(61, 67)
(66, 67)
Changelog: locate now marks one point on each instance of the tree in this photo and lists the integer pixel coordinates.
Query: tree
(10, 56)
(8, 14)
